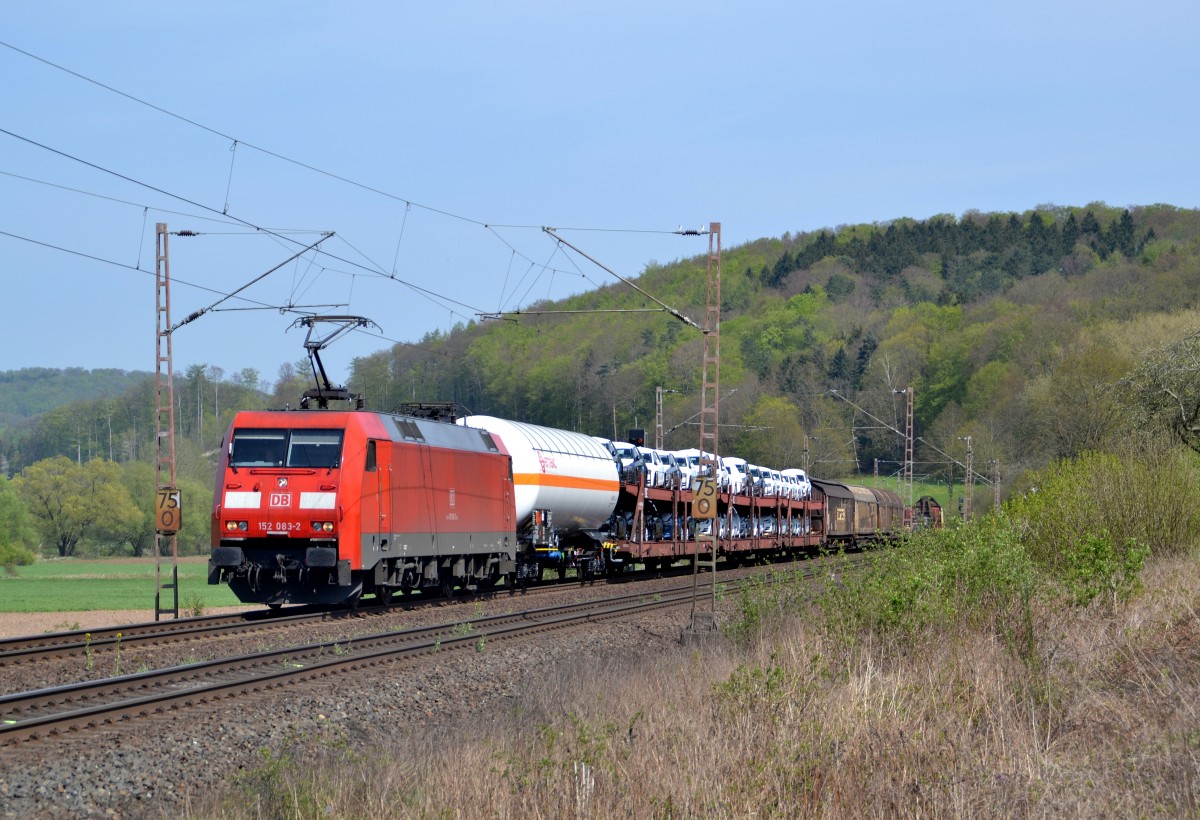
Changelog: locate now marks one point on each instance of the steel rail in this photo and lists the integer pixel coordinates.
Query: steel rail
(80, 642)
(29, 715)
(76, 642)
(46, 712)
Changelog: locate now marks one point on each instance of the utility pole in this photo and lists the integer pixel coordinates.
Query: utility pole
(908, 444)
(910, 437)
(703, 623)
(996, 484)
(950, 486)
(970, 481)
(167, 504)
(658, 431)
(906, 470)
(806, 439)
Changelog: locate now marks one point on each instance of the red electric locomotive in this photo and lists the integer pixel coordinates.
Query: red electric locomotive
(319, 506)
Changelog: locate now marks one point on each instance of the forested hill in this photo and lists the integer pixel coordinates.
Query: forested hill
(32, 391)
(1015, 329)
(1030, 334)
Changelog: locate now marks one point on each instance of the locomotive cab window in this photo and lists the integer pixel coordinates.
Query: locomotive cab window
(285, 448)
(314, 448)
(258, 448)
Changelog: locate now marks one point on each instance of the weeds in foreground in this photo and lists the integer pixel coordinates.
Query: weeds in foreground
(964, 674)
(194, 606)
(942, 720)
(63, 626)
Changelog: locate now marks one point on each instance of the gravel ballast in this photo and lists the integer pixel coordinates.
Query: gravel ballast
(162, 765)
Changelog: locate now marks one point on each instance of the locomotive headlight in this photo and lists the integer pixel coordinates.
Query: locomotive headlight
(322, 526)
(234, 526)
(327, 526)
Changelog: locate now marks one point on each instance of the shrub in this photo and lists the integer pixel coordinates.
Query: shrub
(1096, 566)
(14, 555)
(1149, 495)
(978, 574)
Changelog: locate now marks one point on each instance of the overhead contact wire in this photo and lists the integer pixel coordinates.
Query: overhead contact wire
(247, 223)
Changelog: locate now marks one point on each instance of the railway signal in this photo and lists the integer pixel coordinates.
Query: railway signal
(704, 504)
(168, 512)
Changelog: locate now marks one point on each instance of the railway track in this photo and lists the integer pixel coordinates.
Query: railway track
(47, 712)
(44, 712)
(78, 642)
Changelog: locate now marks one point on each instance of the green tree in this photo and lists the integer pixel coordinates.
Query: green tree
(17, 535)
(839, 286)
(839, 369)
(1070, 235)
(69, 501)
(196, 498)
(1077, 407)
(863, 360)
(1166, 386)
(1122, 235)
(779, 440)
(294, 378)
(138, 531)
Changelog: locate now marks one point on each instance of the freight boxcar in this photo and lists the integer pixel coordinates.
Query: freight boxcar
(891, 511)
(927, 512)
(838, 511)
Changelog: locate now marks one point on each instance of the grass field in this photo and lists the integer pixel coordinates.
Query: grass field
(82, 585)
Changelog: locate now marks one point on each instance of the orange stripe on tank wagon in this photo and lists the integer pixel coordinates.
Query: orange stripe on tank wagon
(566, 481)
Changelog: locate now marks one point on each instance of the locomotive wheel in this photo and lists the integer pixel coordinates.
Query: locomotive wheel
(448, 588)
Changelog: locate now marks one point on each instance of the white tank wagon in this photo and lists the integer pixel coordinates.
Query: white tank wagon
(570, 475)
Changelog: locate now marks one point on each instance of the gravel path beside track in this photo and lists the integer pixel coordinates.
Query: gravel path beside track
(19, 624)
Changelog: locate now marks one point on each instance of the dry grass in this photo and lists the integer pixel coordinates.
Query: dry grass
(1100, 721)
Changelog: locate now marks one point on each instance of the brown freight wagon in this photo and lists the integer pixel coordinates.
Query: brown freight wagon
(839, 511)
(891, 512)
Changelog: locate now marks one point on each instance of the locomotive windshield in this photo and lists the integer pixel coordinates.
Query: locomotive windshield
(285, 448)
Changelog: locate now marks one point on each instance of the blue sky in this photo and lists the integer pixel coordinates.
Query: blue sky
(467, 126)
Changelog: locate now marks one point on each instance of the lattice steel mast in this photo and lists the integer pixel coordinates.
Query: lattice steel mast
(166, 538)
(710, 394)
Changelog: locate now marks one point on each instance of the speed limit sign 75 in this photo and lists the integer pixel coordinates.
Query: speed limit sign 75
(704, 505)
(168, 514)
